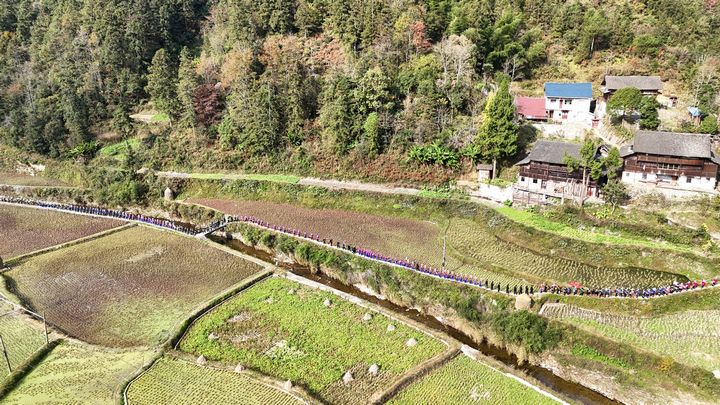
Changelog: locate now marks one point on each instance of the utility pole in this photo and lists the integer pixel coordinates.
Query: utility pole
(4, 351)
(47, 336)
(444, 250)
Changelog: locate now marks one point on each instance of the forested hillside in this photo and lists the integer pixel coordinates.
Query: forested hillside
(371, 88)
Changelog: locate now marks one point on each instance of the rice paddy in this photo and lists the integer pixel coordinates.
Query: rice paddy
(130, 288)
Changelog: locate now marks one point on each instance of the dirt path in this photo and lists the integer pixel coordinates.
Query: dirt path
(350, 185)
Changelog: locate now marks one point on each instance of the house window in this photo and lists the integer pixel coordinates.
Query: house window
(568, 101)
(534, 181)
(688, 179)
(644, 176)
(553, 100)
(522, 179)
(668, 166)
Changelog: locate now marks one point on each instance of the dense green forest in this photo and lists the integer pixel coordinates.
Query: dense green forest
(376, 88)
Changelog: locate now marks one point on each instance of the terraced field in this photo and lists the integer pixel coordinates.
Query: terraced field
(131, 288)
(689, 337)
(78, 374)
(473, 249)
(24, 230)
(312, 338)
(174, 381)
(470, 240)
(467, 381)
(20, 336)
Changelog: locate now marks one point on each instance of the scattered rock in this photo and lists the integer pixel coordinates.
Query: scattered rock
(374, 369)
(391, 328)
(201, 360)
(239, 368)
(270, 300)
(411, 342)
(367, 317)
(287, 386)
(169, 195)
(213, 336)
(348, 377)
(523, 302)
(716, 373)
(327, 303)
(240, 318)
(291, 291)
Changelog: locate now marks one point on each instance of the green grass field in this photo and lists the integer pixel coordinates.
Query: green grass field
(120, 149)
(544, 224)
(174, 381)
(689, 337)
(131, 288)
(78, 374)
(20, 336)
(466, 381)
(284, 330)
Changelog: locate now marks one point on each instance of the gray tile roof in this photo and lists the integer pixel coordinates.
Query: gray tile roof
(551, 152)
(638, 82)
(673, 144)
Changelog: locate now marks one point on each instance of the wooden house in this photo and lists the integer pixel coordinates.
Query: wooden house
(670, 159)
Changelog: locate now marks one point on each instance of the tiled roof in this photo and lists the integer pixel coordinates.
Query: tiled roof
(638, 82)
(672, 144)
(551, 152)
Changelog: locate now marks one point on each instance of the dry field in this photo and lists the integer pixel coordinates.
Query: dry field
(131, 288)
(24, 230)
(391, 236)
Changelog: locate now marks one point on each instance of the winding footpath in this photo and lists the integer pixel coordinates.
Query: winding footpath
(202, 232)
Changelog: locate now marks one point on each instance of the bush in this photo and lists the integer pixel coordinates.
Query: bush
(527, 329)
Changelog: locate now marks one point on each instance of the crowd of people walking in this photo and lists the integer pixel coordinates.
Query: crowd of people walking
(409, 264)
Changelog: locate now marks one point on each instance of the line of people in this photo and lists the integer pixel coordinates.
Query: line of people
(675, 287)
(85, 209)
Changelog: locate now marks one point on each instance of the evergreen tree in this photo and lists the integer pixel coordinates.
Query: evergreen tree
(624, 102)
(186, 84)
(161, 83)
(498, 135)
(709, 125)
(649, 118)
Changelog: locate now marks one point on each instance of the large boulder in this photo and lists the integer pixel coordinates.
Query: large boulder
(201, 361)
(348, 377)
(239, 368)
(523, 302)
(287, 386)
(390, 328)
(411, 342)
(367, 317)
(168, 194)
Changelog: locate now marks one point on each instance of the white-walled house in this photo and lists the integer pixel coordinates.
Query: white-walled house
(671, 160)
(569, 102)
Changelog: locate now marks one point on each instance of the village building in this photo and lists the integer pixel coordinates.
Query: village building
(671, 160)
(648, 85)
(569, 102)
(531, 108)
(544, 175)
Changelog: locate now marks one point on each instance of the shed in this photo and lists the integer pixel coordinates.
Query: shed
(485, 171)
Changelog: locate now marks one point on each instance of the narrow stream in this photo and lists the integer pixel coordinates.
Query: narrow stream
(573, 391)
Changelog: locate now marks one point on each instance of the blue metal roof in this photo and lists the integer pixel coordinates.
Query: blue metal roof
(568, 90)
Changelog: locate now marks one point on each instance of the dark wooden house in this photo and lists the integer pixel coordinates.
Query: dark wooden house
(671, 159)
(544, 176)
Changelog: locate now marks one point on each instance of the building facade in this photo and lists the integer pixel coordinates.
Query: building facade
(671, 160)
(544, 175)
(569, 102)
